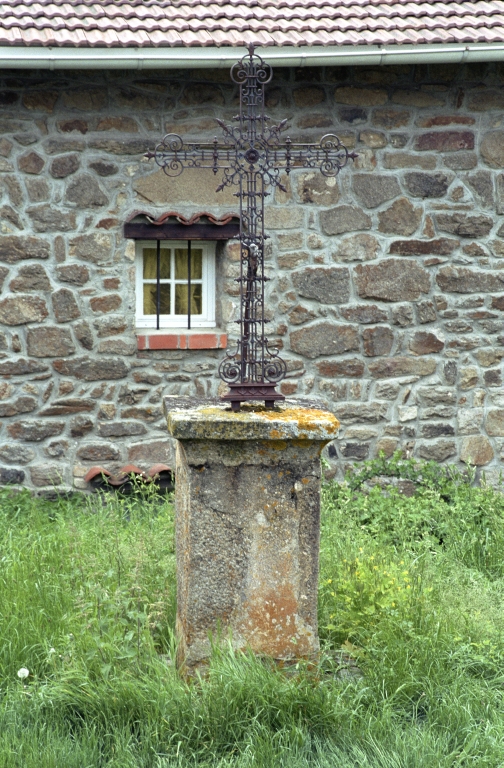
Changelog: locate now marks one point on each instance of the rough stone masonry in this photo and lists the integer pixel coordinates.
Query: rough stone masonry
(387, 294)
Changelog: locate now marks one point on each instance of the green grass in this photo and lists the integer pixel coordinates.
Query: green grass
(411, 588)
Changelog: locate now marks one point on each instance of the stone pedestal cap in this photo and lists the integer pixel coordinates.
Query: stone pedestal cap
(192, 419)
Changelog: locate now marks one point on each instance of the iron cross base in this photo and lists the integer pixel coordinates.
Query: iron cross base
(239, 393)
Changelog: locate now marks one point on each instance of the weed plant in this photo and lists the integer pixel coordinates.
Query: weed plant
(411, 589)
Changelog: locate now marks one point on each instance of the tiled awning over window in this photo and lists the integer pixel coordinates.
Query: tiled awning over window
(175, 226)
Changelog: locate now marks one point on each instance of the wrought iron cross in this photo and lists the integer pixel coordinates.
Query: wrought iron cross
(252, 156)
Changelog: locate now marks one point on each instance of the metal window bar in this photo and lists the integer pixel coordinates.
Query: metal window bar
(189, 285)
(158, 282)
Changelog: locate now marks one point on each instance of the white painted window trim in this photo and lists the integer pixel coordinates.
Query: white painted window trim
(207, 318)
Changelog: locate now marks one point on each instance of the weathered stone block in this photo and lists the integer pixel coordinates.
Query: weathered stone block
(366, 413)
(118, 346)
(476, 450)
(318, 189)
(324, 339)
(283, 218)
(464, 225)
(80, 426)
(392, 280)
(402, 366)
(335, 368)
(327, 285)
(45, 218)
(425, 343)
(372, 190)
(47, 475)
(103, 168)
(85, 99)
(364, 313)
(377, 341)
(390, 118)
(258, 579)
(35, 431)
(95, 247)
(11, 476)
(300, 315)
(99, 452)
(11, 453)
(437, 450)
(146, 454)
(87, 369)
(38, 190)
(84, 191)
(492, 149)
(443, 246)
(84, 334)
(495, 422)
(21, 405)
(121, 429)
(65, 306)
(64, 166)
(31, 163)
(402, 218)
(107, 303)
(77, 274)
(49, 341)
(445, 141)
(18, 310)
(308, 96)
(426, 184)
(434, 395)
(344, 218)
(14, 248)
(416, 98)
(21, 367)
(437, 429)
(360, 97)
(461, 161)
(462, 280)
(398, 160)
(31, 277)
(482, 184)
(469, 421)
(357, 248)
(68, 406)
(402, 314)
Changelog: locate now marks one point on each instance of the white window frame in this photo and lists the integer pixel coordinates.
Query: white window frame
(207, 317)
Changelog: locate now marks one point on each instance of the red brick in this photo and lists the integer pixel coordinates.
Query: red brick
(203, 341)
(164, 341)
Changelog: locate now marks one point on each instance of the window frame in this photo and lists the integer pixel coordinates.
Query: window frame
(208, 281)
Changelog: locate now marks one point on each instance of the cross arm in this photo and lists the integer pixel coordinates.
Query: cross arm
(329, 155)
(173, 155)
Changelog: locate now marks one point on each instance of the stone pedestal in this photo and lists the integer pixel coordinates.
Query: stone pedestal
(247, 526)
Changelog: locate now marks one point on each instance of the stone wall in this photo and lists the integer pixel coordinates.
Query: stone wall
(388, 289)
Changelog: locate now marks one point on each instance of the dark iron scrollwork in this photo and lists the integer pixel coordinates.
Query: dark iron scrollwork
(252, 157)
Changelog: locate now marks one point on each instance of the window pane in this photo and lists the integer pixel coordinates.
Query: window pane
(149, 263)
(181, 263)
(181, 299)
(149, 299)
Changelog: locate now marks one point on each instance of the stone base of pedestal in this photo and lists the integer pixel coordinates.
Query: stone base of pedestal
(247, 527)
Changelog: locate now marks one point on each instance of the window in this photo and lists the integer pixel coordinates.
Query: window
(175, 283)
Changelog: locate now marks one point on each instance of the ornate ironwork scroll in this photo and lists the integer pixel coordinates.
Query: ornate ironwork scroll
(252, 156)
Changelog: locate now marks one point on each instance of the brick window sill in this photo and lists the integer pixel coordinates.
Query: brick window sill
(173, 339)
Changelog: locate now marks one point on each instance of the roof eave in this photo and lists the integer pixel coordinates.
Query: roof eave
(38, 57)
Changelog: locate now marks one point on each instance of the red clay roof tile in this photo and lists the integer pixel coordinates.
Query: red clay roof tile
(195, 23)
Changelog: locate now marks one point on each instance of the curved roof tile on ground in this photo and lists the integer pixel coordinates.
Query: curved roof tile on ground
(193, 23)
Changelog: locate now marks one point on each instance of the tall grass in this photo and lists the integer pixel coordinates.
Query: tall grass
(411, 589)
